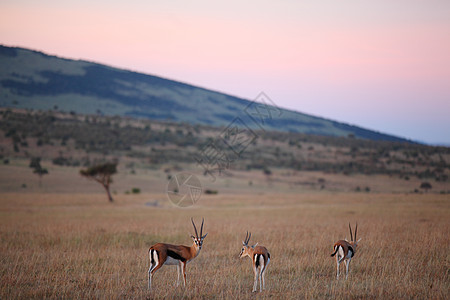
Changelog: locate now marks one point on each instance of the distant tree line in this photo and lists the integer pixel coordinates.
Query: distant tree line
(158, 143)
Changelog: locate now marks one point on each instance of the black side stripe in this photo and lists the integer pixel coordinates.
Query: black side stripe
(350, 248)
(175, 255)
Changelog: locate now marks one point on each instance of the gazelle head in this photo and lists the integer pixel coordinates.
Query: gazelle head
(245, 251)
(198, 239)
(353, 241)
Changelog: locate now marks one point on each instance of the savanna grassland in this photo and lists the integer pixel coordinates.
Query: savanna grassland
(296, 193)
(76, 245)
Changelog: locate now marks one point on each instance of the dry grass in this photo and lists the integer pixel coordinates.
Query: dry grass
(79, 246)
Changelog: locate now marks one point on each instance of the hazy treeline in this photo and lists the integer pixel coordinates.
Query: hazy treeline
(158, 143)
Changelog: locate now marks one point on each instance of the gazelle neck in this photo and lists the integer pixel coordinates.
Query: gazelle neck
(195, 250)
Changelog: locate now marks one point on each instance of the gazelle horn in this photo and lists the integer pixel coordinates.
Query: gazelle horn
(195, 228)
(201, 228)
(356, 229)
(351, 235)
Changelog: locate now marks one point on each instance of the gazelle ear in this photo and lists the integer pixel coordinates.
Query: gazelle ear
(346, 240)
(204, 236)
(254, 245)
(193, 237)
(359, 240)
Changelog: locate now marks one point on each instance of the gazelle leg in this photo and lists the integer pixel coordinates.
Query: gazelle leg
(255, 269)
(183, 272)
(150, 278)
(178, 275)
(264, 272)
(263, 280)
(347, 264)
(338, 262)
(153, 264)
(260, 279)
(150, 275)
(261, 270)
(151, 272)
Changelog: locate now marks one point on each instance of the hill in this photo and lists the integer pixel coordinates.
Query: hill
(34, 80)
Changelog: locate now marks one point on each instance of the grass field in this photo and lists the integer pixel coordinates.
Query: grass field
(76, 245)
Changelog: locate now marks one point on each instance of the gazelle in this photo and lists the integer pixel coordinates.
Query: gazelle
(166, 254)
(260, 260)
(345, 251)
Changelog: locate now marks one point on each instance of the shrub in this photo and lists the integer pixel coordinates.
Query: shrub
(426, 186)
(211, 192)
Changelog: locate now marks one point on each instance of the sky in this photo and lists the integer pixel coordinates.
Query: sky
(382, 65)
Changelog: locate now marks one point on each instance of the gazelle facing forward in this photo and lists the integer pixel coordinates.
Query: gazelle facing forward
(345, 251)
(260, 259)
(166, 254)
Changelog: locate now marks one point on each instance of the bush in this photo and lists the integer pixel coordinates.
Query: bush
(426, 186)
(66, 161)
(211, 192)
(136, 190)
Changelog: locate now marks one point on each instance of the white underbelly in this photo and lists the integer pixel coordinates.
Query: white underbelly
(171, 261)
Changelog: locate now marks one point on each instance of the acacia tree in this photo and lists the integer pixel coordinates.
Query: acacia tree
(35, 164)
(426, 186)
(101, 173)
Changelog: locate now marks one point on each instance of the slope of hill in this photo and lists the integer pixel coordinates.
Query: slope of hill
(34, 80)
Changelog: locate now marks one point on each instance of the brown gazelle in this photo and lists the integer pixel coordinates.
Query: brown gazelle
(166, 254)
(345, 251)
(260, 260)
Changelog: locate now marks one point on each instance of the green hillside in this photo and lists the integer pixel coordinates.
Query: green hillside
(34, 80)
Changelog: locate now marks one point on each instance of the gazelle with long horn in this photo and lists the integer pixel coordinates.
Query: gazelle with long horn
(260, 260)
(166, 254)
(345, 251)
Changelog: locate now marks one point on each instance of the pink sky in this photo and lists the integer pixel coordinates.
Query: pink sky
(382, 65)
